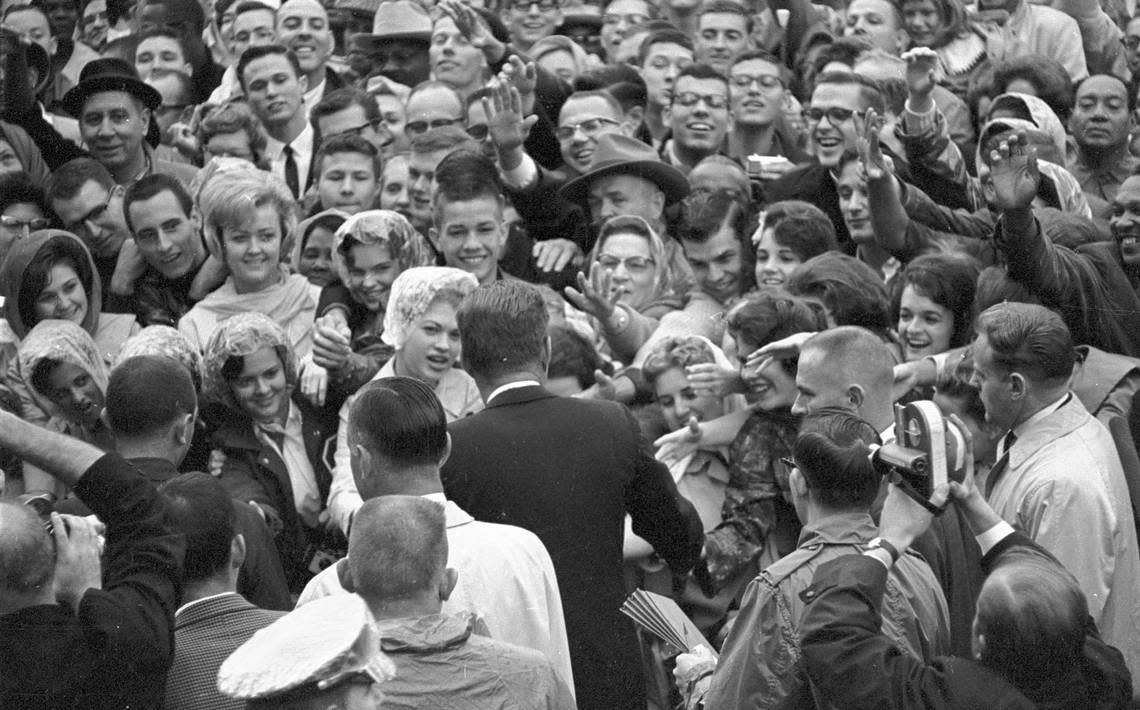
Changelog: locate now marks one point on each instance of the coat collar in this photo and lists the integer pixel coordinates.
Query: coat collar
(210, 608)
(521, 395)
(1067, 418)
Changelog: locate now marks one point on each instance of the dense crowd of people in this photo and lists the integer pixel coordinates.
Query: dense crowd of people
(370, 353)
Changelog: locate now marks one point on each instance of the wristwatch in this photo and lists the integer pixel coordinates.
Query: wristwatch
(881, 544)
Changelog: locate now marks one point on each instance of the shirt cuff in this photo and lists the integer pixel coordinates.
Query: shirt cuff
(522, 176)
(993, 536)
(881, 555)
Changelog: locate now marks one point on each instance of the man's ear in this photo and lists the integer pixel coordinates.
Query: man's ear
(446, 451)
(798, 483)
(447, 583)
(237, 552)
(856, 396)
(1018, 387)
(184, 428)
(304, 82)
(633, 119)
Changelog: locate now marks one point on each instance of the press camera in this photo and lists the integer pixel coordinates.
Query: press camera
(929, 450)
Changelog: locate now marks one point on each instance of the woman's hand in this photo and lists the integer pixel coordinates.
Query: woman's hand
(314, 381)
(594, 295)
(332, 342)
(676, 445)
(717, 380)
(216, 462)
(783, 349)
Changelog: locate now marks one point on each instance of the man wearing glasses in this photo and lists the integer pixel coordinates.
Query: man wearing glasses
(432, 104)
(83, 194)
(698, 117)
(838, 99)
(351, 111)
(530, 20)
(757, 91)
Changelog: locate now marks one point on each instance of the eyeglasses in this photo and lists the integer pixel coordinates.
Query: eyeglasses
(766, 81)
(415, 128)
(614, 19)
(479, 131)
(32, 225)
(690, 98)
(96, 212)
(633, 264)
(525, 6)
(835, 114)
(1131, 42)
(588, 127)
(789, 464)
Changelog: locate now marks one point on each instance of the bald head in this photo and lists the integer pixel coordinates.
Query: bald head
(27, 558)
(848, 368)
(398, 548)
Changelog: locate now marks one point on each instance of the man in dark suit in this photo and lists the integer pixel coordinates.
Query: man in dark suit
(568, 470)
(213, 619)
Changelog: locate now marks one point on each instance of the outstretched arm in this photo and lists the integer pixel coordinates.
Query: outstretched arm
(62, 456)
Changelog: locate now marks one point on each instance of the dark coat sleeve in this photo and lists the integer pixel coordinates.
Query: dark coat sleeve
(132, 618)
(262, 578)
(854, 665)
(661, 515)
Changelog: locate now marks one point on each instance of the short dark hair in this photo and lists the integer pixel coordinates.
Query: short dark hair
(703, 213)
(725, 7)
(1029, 339)
(833, 453)
(770, 314)
(947, 279)
(401, 419)
(466, 175)
(844, 50)
(502, 328)
(58, 249)
(147, 393)
(162, 32)
(18, 189)
(848, 288)
(68, 179)
(1128, 93)
(870, 91)
(347, 144)
(671, 35)
(199, 508)
(573, 355)
(266, 50)
(1047, 75)
(339, 100)
(801, 227)
(151, 185)
(698, 70)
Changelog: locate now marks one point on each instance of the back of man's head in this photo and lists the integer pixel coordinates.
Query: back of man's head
(401, 420)
(1031, 616)
(199, 508)
(147, 394)
(1029, 339)
(847, 356)
(398, 548)
(502, 330)
(27, 559)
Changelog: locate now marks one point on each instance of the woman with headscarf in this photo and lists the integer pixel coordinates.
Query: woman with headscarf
(66, 377)
(420, 325)
(50, 275)
(631, 284)
(249, 220)
(273, 440)
(370, 250)
(313, 250)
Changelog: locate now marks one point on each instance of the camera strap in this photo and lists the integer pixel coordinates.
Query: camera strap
(914, 495)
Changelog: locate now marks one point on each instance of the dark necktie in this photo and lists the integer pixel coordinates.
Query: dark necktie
(291, 179)
(1001, 464)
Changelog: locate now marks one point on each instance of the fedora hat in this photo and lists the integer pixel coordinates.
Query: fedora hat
(618, 154)
(109, 74)
(398, 19)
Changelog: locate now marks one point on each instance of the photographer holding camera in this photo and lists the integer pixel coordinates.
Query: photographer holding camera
(1034, 644)
(73, 635)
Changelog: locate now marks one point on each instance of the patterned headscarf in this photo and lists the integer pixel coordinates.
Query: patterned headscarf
(408, 247)
(414, 291)
(59, 341)
(166, 341)
(242, 335)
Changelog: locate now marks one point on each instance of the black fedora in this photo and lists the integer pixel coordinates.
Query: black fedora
(109, 74)
(618, 154)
